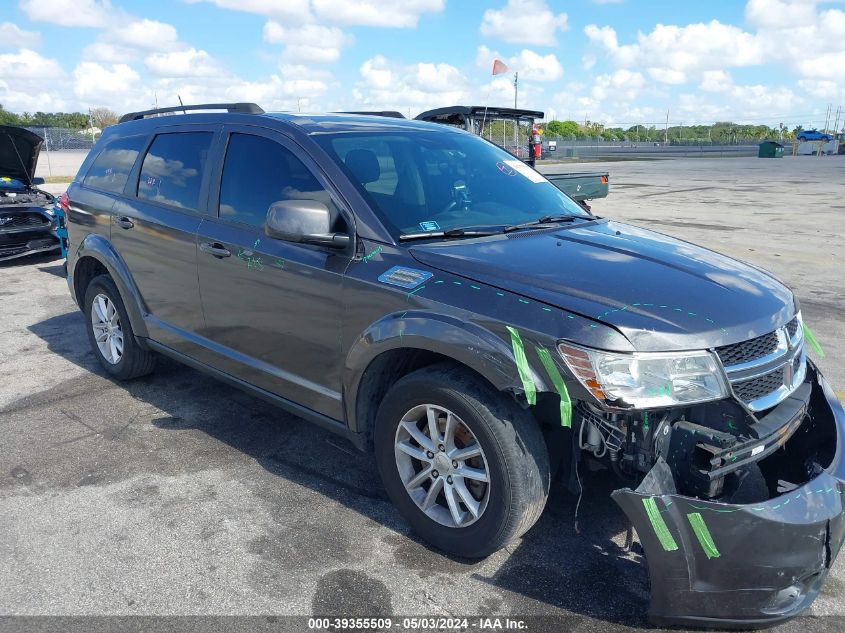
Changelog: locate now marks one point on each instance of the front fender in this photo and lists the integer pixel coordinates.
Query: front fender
(99, 248)
(464, 342)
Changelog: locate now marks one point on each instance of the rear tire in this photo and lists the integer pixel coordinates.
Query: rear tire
(507, 445)
(110, 332)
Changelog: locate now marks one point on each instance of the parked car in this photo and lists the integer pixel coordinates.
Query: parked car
(27, 221)
(415, 289)
(813, 135)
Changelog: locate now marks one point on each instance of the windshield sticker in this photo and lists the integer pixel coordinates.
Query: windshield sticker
(405, 277)
(506, 170)
(429, 225)
(525, 170)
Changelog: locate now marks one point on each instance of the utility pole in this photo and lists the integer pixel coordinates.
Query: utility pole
(836, 125)
(666, 133)
(827, 118)
(515, 88)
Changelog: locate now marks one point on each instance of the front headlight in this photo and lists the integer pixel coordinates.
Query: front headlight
(646, 380)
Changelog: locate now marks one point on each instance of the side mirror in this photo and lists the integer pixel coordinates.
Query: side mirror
(303, 221)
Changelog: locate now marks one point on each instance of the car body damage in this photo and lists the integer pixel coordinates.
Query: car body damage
(756, 563)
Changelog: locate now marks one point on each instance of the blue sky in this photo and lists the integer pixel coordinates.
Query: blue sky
(614, 61)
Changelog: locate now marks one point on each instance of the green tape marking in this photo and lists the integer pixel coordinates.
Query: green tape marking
(659, 525)
(522, 366)
(560, 386)
(703, 534)
(811, 339)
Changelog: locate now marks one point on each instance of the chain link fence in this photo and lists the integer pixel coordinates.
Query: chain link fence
(61, 138)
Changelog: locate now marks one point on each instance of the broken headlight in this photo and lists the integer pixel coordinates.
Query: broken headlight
(646, 380)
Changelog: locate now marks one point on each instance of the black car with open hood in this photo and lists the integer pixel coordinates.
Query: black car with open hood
(27, 223)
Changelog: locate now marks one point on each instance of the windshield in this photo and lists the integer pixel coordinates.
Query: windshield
(433, 180)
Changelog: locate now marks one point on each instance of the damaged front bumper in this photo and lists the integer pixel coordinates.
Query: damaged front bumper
(726, 565)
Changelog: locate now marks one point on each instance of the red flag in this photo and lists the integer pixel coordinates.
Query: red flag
(499, 67)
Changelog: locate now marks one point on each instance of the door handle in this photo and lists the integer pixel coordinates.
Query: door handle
(215, 248)
(124, 222)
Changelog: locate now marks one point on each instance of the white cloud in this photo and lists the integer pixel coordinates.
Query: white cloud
(382, 13)
(97, 84)
(674, 53)
(622, 85)
(149, 34)
(393, 86)
(12, 36)
(524, 22)
(780, 13)
(183, 63)
(716, 81)
(296, 10)
(27, 64)
(385, 13)
(310, 43)
(530, 65)
(68, 12)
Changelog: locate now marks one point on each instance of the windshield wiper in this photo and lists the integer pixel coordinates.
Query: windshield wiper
(547, 219)
(457, 232)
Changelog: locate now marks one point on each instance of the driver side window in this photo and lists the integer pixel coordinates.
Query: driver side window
(258, 172)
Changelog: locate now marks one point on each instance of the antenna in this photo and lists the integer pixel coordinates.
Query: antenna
(184, 111)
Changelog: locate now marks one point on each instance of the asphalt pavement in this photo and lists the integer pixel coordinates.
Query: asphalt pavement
(177, 495)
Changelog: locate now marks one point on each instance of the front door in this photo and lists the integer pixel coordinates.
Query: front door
(272, 308)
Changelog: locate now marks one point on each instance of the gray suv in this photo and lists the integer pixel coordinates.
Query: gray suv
(423, 293)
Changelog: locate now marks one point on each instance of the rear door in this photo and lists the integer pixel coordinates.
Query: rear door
(272, 308)
(154, 227)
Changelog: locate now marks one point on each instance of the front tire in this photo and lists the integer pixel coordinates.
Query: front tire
(464, 464)
(110, 332)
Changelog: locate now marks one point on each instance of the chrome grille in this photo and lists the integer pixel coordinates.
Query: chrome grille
(764, 370)
(748, 350)
(750, 390)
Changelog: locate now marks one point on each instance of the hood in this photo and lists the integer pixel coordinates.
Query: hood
(19, 164)
(660, 292)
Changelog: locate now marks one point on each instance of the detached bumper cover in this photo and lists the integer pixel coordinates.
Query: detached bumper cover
(741, 565)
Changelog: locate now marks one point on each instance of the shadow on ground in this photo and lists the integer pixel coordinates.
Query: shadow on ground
(552, 566)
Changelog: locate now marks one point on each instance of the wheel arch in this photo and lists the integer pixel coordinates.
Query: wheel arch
(400, 344)
(96, 256)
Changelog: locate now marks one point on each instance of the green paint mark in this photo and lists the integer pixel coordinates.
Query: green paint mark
(475, 287)
(402, 316)
(457, 283)
(811, 339)
(257, 242)
(569, 316)
(371, 254)
(560, 386)
(659, 525)
(500, 294)
(439, 281)
(414, 291)
(280, 263)
(522, 366)
(547, 309)
(703, 534)
(645, 422)
(524, 301)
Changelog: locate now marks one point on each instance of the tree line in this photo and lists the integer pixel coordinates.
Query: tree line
(98, 117)
(723, 132)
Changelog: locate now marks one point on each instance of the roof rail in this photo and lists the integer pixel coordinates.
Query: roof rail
(392, 114)
(245, 108)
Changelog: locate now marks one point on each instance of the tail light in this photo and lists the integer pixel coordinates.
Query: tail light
(64, 203)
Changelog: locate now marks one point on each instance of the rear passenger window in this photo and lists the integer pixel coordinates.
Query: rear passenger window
(111, 168)
(173, 168)
(259, 172)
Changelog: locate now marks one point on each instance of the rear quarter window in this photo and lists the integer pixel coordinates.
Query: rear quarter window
(111, 168)
(173, 168)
